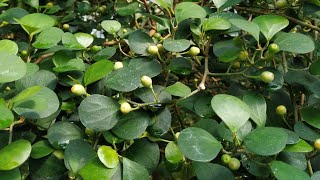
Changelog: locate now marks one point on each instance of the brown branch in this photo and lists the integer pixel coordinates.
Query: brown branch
(257, 11)
(43, 57)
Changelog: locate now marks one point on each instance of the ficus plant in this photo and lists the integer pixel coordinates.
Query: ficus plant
(159, 89)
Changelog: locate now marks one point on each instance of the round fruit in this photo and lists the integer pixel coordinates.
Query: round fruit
(95, 48)
(49, 4)
(24, 53)
(89, 132)
(267, 76)
(59, 154)
(236, 65)
(146, 81)
(65, 26)
(157, 36)
(194, 51)
(281, 4)
(78, 90)
(234, 164)
(281, 110)
(273, 48)
(125, 108)
(104, 7)
(124, 31)
(160, 47)
(177, 135)
(317, 144)
(243, 55)
(101, 9)
(153, 50)
(118, 65)
(226, 158)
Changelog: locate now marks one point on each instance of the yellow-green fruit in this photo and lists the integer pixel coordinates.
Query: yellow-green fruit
(59, 154)
(96, 48)
(124, 31)
(226, 158)
(24, 53)
(104, 7)
(157, 36)
(194, 51)
(267, 76)
(89, 132)
(281, 110)
(49, 4)
(101, 9)
(78, 90)
(281, 4)
(273, 48)
(146, 81)
(243, 55)
(234, 164)
(316, 144)
(236, 65)
(160, 47)
(118, 65)
(153, 50)
(125, 108)
(65, 26)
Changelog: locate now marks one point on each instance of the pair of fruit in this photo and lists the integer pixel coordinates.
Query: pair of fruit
(154, 50)
(233, 163)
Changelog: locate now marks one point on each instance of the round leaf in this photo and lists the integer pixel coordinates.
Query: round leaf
(39, 78)
(311, 116)
(8, 46)
(176, 45)
(124, 79)
(258, 107)
(97, 71)
(13, 174)
(250, 27)
(108, 156)
(271, 24)
(134, 171)
(41, 149)
(139, 42)
(12, 67)
(111, 26)
(283, 171)
(172, 153)
(14, 154)
(198, 145)
(288, 42)
(210, 171)
(187, 10)
(48, 38)
(215, 23)
(84, 39)
(6, 117)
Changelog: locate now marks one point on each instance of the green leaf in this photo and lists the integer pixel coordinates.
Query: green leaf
(145, 94)
(36, 102)
(105, 53)
(108, 156)
(305, 132)
(132, 125)
(305, 79)
(71, 65)
(99, 112)
(61, 133)
(210, 171)
(77, 154)
(316, 175)
(6, 117)
(283, 171)
(178, 89)
(271, 24)
(172, 153)
(277, 139)
(167, 4)
(301, 146)
(71, 42)
(186, 10)
(297, 160)
(198, 145)
(13, 174)
(134, 171)
(41, 149)
(39, 78)
(33, 23)
(48, 38)
(12, 67)
(123, 8)
(33, 3)
(231, 110)
(14, 154)
(161, 123)
(250, 27)
(214, 23)
(97, 71)
(13, 13)
(111, 26)
(145, 67)
(144, 153)
(314, 68)
(226, 51)
(173, 45)
(258, 107)
(311, 116)
(84, 39)
(8, 46)
(288, 42)
(124, 79)
(181, 66)
(139, 42)
(100, 171)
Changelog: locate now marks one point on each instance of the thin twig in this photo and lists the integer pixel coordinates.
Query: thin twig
(43, 57)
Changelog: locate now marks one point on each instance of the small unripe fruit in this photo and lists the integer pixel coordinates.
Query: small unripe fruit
(236, 65)
(146, 81)
(234, 164)
(124, 31)
(24, 53)
(281, 110)
(59, 154)
(194, 51)
(316, 144)
(243, 55)
(104, 7)
(95, 48)
(118, 65)
(281, 4)
(125, 108)
(273, 48)
(267, 76)
(49, 4)
(78, 90)
(177, 134)
(89, 132)
(153, 50)
(226, 158)
(65, 26)
(101, 9)
(157, 36)
(160, 47)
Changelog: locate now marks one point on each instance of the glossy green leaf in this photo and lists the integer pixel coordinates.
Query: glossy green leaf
(12, 67)
(77, 154)
(125, 79)
(132, 125)
(295, 159)
(210, 171)
(35, 22)
(99, 112)
(198, 145)
(13, 13)
(181, 66)
(311, 116)
(39, 78)
(71, 65)
(172, 153)
(111, 26)
(145, 94)
(144, 153)
(178, 89)
(48, 38)
(61, 133)
(123, 8)
(161, 123)
(250, 27)
(258, 107)
(226, 51)
(167, 4)
(305, 132)
(105, 53)
(14, 154)
(33, 3)
(8, 46)
(133, 171)
(314, 68)
(139, 42)
(283, 171)
(178, 45)
(97, 71)
(145, 66)
(271, 24)
(316, 176)
(100, 171)
(287, 42)
(36, 102)
(41, 149)
(214, 23)
(13, 174)
(6, 117)
(301, 146)
(231, 110)
(277, 139)
(71, 42)
(108, 156)
(84, 39)
(186, 10)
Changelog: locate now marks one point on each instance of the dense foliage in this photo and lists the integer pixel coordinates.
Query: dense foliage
(161, 89)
